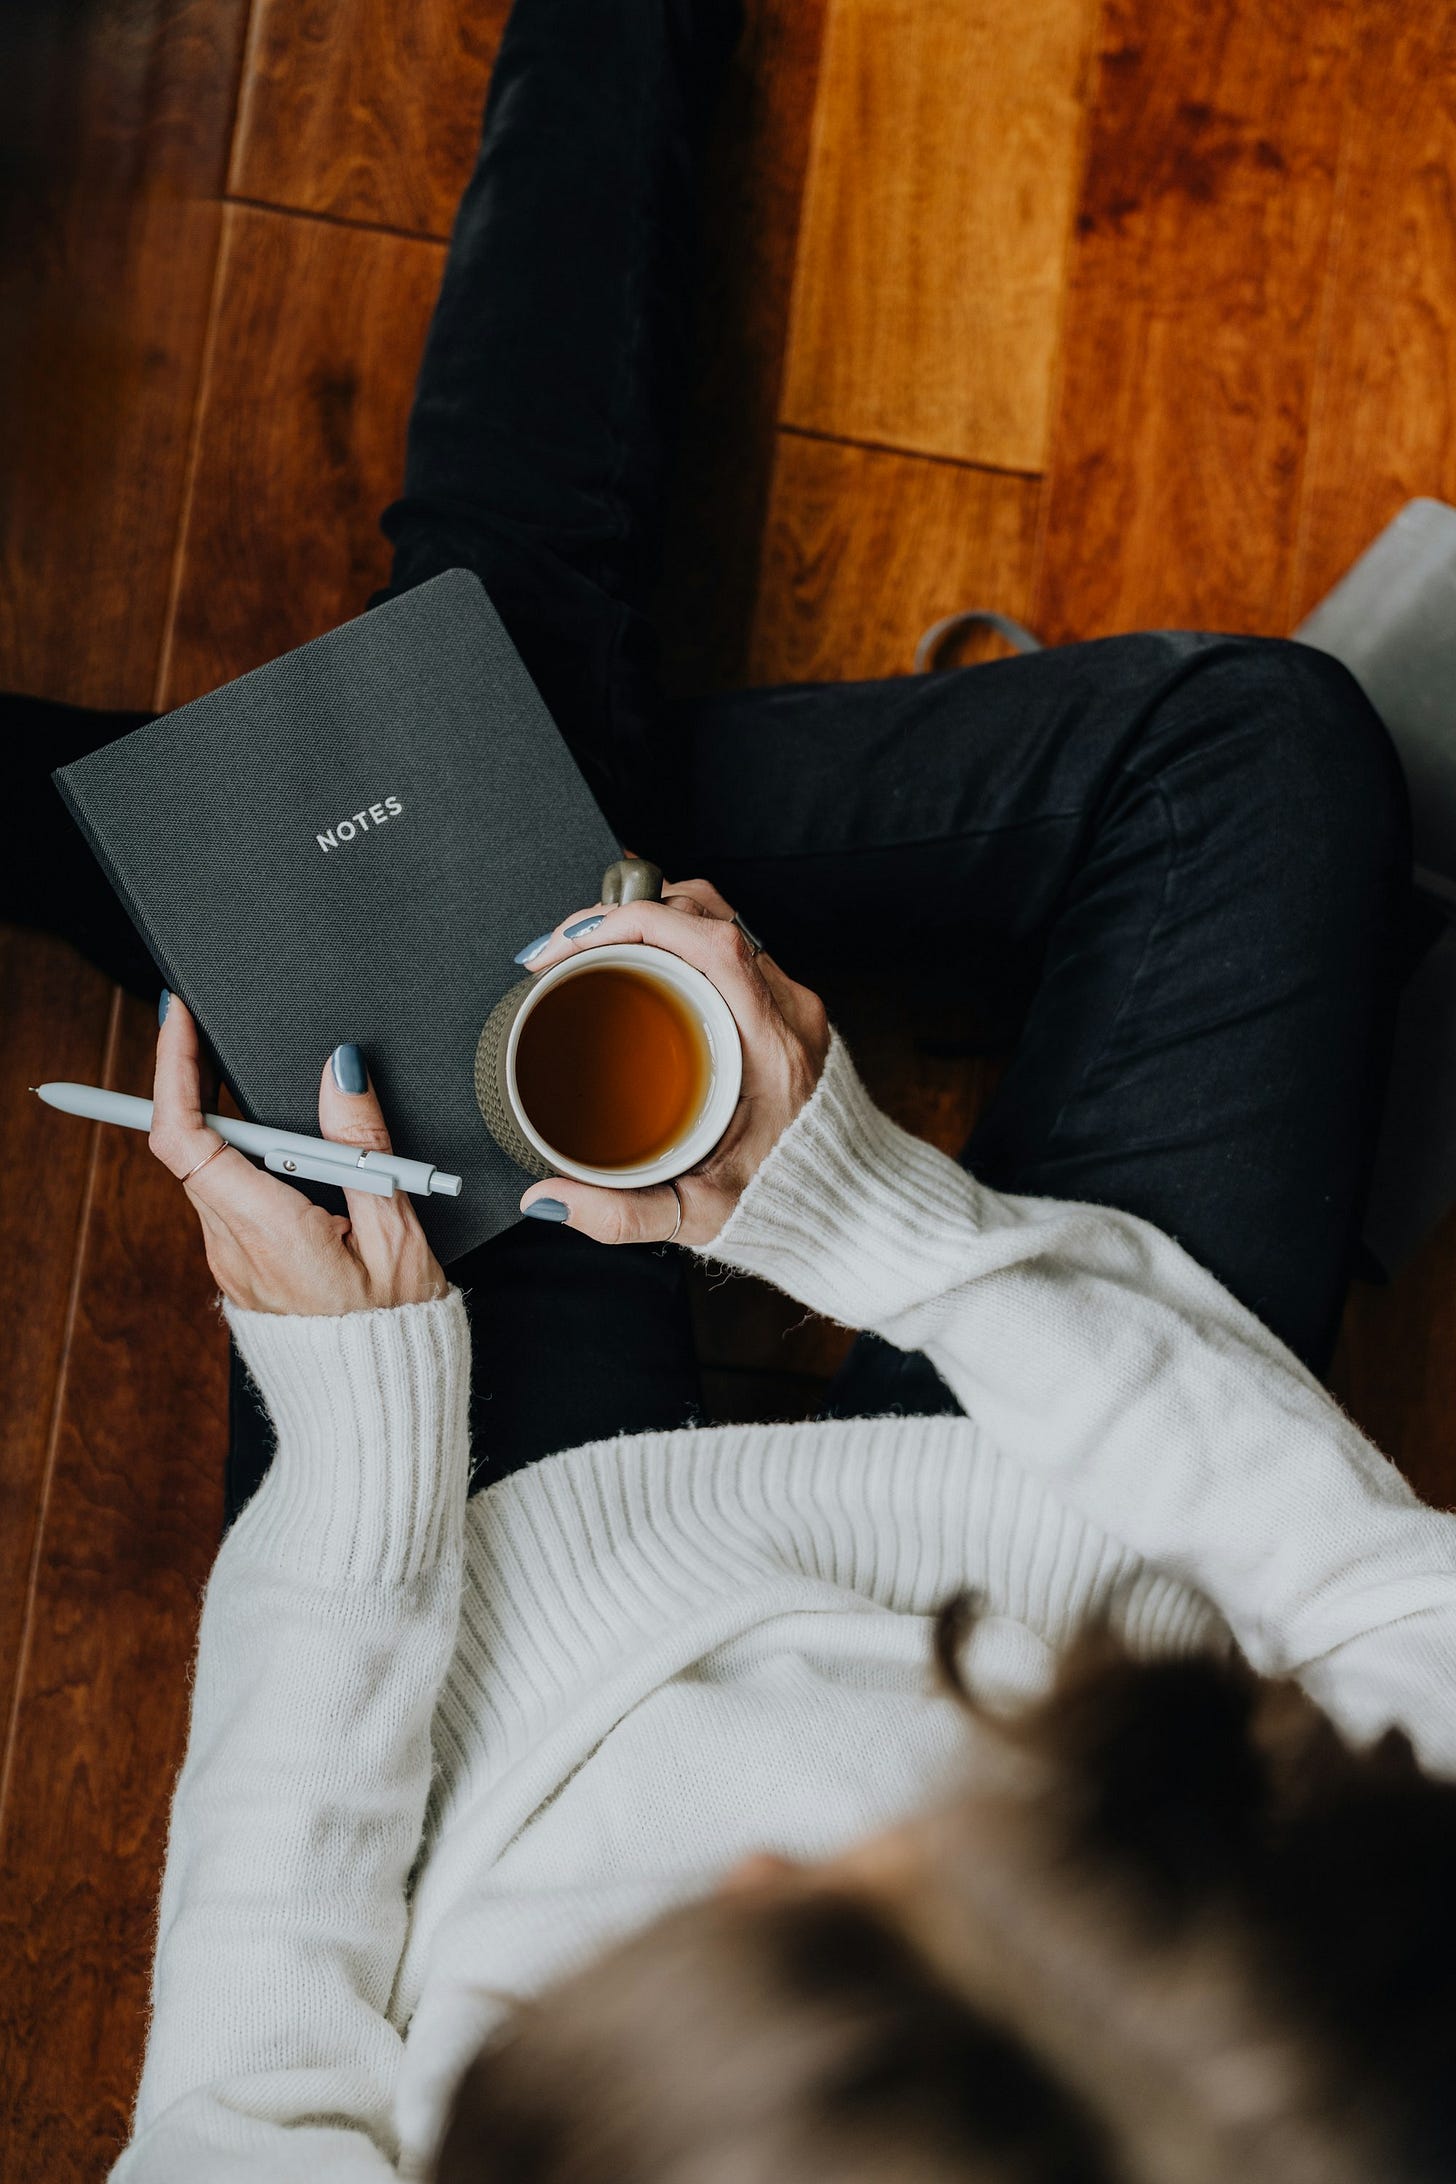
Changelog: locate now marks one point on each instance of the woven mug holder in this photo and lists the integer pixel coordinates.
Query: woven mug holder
(630, 879)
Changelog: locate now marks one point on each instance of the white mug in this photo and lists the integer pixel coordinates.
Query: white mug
(499, 1097)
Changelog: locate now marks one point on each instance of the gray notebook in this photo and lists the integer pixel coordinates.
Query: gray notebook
(351, 843)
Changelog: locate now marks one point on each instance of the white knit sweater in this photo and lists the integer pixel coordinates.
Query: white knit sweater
(440, 1752)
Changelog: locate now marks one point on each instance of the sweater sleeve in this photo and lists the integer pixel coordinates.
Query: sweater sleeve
(327, 1626)
(1097, 1353)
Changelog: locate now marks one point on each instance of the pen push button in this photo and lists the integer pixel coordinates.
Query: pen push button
(347, 1171)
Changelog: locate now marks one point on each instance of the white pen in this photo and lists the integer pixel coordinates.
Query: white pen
(284, 1151)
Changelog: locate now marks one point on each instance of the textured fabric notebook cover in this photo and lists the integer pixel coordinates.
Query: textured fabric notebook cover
(239, 831)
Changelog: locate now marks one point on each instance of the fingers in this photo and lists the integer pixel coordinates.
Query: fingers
(691, 898)
(355, 1117)
(349, 1109)
(699, 896)
(230, 1184)
(614, 1217)
(179, 1137)
(710, 943)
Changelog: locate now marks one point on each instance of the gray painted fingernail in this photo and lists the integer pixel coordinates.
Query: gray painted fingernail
(350, 1075)
(162, 1006)
(584, 925)
(546, 1209)
(532, 949)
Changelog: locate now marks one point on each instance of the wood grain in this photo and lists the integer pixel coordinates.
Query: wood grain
(134, 1520)
(929, 283)
(108, 245)
(864, 550)
(55, 1014)
(1384, 423)
(1193, 316)
(364, 109)
(317, 335)
(752, 189)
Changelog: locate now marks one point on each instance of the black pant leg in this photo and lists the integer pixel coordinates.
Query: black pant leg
(49, 878)
(538, 450)
(1204, 841)
(550, 388)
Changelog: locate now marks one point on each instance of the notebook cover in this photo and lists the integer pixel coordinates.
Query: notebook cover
(212, 824)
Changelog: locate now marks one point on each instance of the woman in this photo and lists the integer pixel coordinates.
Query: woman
(645, 1732)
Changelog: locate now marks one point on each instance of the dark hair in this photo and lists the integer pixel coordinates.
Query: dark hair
(1172, 1929)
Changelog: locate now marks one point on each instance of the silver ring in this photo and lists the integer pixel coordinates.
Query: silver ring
(755, 944)
(677, 1224)
(220, 1147)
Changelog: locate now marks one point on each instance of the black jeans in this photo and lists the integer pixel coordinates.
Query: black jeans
(1187, 854)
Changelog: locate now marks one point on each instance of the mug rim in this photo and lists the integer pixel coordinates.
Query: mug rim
(725, 1063)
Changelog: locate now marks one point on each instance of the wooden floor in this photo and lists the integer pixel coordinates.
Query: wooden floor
(1133, 314)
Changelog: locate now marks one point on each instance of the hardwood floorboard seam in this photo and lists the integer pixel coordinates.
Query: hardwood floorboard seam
(335, 219)
(189, 480)
(53, 1434)
(204, 368)
(247, 77)
(907, 454)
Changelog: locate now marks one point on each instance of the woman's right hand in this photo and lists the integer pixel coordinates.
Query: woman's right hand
(785, 1036)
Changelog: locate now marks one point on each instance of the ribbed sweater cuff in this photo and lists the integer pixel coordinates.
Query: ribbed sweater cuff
(372, 1414)
(851, 1214)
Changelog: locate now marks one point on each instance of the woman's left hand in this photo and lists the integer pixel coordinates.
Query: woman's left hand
(785, 1037)
(270, 1248)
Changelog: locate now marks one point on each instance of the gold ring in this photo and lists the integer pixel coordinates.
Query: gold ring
(220, 1147)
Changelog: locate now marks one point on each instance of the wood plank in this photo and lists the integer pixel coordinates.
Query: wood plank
(863, 550)
(317, 336)
(365, 109)
(929, 284)
(134, 1522)
(1193, 315)
(109, 250)
(752, 188)
(55, 1013)
(1384, 423)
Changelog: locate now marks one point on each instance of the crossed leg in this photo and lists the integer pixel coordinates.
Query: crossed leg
(1198, 843)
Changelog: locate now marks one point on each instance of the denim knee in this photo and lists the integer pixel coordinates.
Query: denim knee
(1311, 778)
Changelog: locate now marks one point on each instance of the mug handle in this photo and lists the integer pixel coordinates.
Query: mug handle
(632, 879)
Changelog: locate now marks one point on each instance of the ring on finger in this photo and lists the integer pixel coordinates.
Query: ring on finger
(220, 1147)
(754, 943)
(677, 1224)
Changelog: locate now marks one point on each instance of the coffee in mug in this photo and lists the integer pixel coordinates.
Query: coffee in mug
(621, 1065)
(612, 1067)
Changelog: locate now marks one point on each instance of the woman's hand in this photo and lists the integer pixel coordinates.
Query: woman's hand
(270, 1248)
(785, 1035)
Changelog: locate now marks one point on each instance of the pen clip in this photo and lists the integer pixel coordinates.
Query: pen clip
(320, 1168)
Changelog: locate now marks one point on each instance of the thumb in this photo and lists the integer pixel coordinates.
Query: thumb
(647, 1216)
(350, 1114)
(349, 1110)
